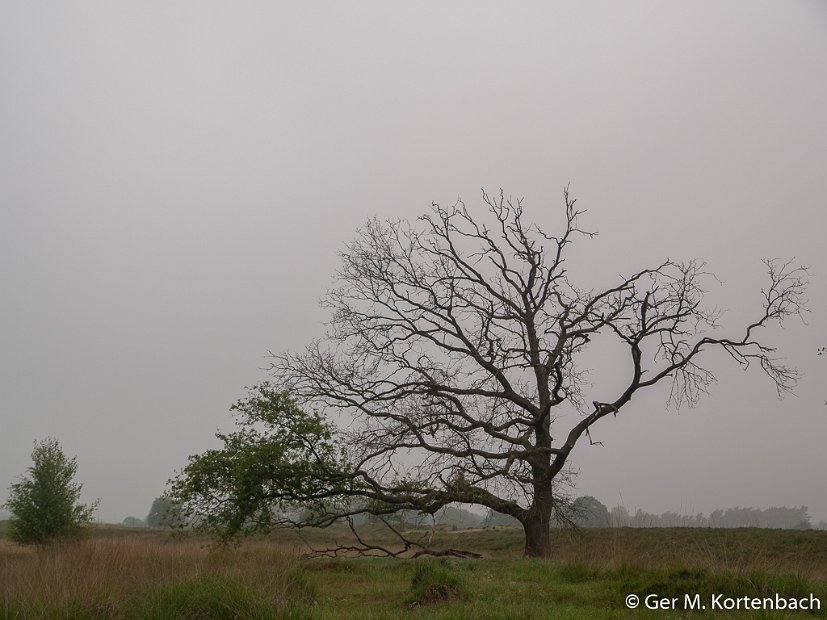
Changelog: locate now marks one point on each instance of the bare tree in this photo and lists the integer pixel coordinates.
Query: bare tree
(454, 340)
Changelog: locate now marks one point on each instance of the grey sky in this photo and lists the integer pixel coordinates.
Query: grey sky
(176, 179)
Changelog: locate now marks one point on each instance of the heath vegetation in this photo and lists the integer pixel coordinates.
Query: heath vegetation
(141, 573)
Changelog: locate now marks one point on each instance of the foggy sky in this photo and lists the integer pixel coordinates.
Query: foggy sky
(177, 178)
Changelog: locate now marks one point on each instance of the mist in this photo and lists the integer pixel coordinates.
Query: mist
(176, 181)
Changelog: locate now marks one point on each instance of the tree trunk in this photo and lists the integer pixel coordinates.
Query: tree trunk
(537, 538)
(536, 524)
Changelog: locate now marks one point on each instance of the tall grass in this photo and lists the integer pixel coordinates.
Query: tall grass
(145, 574)
(434, 581)
(731, 550)
(139, 577)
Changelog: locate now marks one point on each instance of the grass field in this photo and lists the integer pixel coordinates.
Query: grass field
(124, 573)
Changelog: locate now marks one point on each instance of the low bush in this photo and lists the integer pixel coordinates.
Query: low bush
(433, 582)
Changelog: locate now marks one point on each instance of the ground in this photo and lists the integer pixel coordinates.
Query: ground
(140, 573)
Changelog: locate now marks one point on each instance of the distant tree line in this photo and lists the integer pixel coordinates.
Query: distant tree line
(773, 518)
(587, 511)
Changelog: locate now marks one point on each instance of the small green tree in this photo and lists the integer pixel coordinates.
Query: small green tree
(44, 503)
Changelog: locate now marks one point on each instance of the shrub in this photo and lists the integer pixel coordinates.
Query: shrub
(433, 582)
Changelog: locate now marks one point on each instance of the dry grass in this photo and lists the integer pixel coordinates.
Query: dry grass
(735, 551)
(118, 574)
(97, 576)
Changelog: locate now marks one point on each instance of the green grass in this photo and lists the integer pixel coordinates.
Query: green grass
(146, 574)
(434, 582)
(511, 588)
(209, 597)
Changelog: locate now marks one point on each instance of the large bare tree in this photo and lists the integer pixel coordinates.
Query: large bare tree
(454, 340)
(453, 347)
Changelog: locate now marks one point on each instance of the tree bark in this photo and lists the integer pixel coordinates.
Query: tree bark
(536, 524)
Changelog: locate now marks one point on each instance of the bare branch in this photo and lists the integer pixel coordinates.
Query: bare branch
(454, 339)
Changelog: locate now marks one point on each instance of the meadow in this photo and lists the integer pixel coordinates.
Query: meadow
(141, 573)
